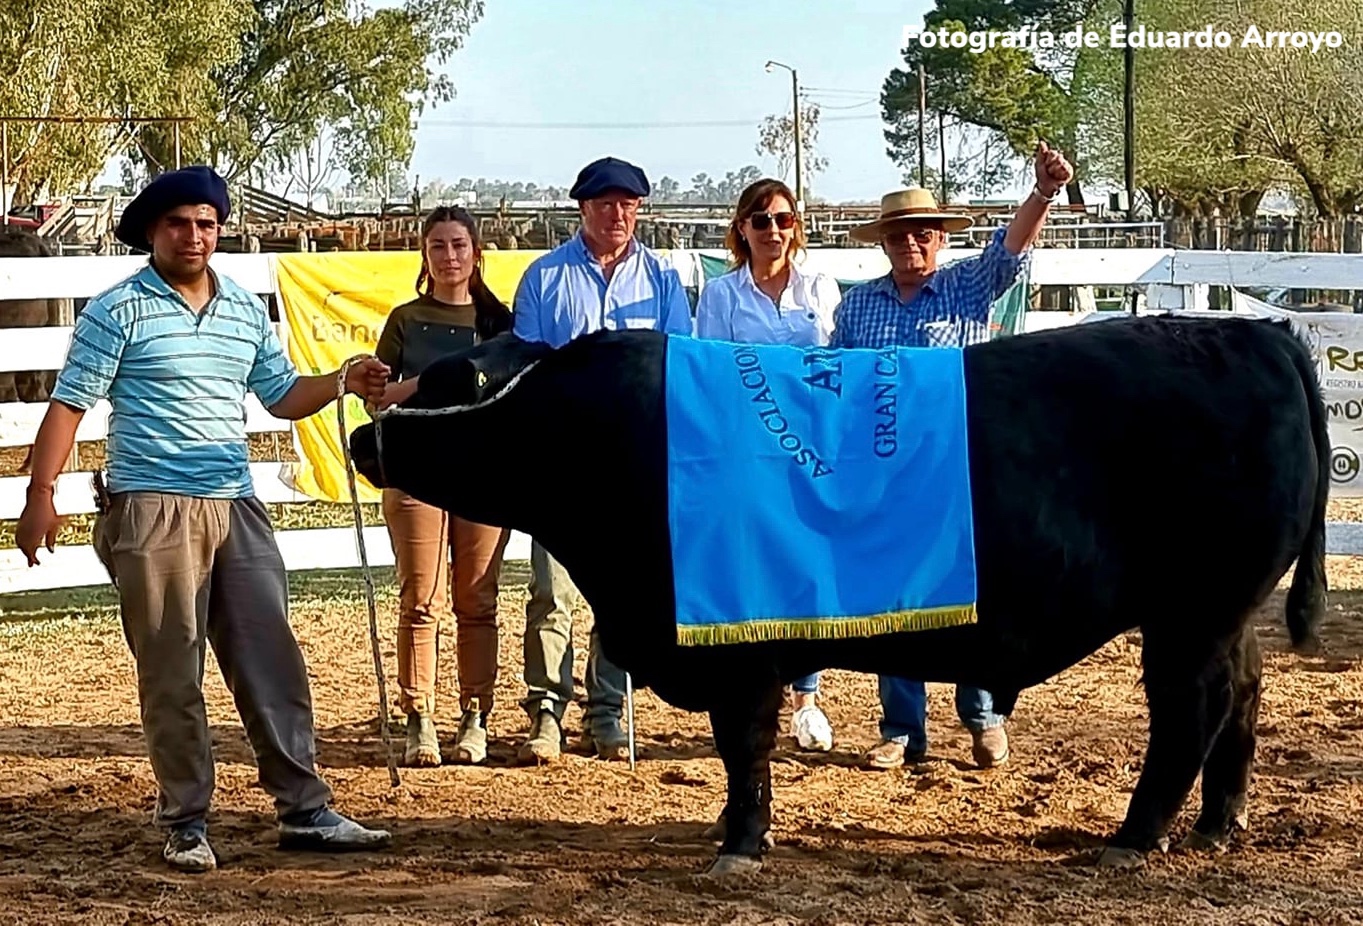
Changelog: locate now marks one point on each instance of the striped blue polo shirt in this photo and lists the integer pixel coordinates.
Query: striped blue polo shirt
(176, 381)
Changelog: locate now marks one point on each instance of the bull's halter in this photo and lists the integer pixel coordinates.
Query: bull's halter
(379, 415)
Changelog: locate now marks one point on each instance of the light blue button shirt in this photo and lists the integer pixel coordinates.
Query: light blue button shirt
(564, 294)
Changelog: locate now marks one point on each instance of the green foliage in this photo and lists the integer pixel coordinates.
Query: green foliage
(306, 65)
(260, 79)
(110, 58)
(1215, 127)
(1020, 97)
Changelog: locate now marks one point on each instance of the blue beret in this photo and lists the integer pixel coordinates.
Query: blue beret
(189, 186)
(607, 174)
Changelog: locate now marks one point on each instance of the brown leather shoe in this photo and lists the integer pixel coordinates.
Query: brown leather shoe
(990, 747)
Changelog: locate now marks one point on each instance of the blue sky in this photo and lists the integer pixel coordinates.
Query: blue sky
(649, 61)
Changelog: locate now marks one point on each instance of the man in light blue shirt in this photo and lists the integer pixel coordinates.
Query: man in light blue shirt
(601, 278)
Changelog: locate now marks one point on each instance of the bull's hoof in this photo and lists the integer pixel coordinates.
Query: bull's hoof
(728, 865)
(1119, 857)
(718, 830)
(1201, 842)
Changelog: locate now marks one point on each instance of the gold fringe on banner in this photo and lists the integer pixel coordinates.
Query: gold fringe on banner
(825, 628)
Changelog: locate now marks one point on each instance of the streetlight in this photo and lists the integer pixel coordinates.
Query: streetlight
(795, 97)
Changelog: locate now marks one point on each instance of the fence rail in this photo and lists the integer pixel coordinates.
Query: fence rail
(1171, 279)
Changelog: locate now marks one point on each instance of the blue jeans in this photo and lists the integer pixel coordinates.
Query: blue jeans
(807, 685)
(905, 707)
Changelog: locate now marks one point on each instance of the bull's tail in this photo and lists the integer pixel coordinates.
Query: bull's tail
(1306, 595)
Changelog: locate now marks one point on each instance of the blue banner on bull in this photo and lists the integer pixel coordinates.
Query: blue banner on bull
(816, 493)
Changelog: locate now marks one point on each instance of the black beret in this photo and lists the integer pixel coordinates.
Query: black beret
(608, 174)
(189, 186)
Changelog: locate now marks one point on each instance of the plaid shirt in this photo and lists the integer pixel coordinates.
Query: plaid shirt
(951, 309)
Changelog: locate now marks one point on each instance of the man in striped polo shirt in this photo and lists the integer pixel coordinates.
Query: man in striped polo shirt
(174, 348)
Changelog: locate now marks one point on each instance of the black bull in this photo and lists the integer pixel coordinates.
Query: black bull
(1160, 474)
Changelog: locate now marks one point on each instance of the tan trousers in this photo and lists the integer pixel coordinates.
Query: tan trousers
(425, 539)
(192, 571)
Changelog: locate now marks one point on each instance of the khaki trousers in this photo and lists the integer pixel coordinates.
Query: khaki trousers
(425, 539)
(549, 653)
(195, 571)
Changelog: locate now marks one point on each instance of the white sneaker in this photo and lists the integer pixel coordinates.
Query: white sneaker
(811, 729)
(187, 849)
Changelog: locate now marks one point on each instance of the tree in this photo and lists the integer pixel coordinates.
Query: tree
(666, 190)
(1020, 95)
(107, 58)
(1300, 109)
(776, 137)
(1216, 128)
(303, 65)
(313, 168)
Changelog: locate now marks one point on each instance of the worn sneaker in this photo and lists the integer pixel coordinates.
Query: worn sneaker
(324, 830)
(545, 742)
(470, 744)
(811, 729)
(187, 849)
(423, 743)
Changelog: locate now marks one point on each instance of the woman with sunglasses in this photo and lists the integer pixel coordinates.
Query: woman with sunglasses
(766, 299)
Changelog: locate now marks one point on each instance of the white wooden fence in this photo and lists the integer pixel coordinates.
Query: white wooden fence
(1171, 279)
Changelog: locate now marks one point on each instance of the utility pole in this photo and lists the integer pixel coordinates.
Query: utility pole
(942, 143)
(4, 173)
(1129, 105)
(922, 118)
(799, 162)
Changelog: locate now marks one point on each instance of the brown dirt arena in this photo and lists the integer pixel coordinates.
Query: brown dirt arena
(592, 842)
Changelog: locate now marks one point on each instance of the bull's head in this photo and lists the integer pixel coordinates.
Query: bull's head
(564, 445)
(452, 444)
(513, 433)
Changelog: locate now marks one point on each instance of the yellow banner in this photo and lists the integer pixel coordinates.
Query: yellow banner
(334, 306)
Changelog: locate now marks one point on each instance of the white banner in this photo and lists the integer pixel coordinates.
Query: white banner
(1336, 341)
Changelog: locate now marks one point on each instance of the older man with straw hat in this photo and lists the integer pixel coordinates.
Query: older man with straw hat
(918, 305)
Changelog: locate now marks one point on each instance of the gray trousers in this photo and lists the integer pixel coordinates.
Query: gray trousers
(193, 572)
(549, 650)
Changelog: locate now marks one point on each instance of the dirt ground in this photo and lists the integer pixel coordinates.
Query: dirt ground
(588, 841)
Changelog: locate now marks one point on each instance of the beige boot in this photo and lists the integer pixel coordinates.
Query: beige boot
(423, 743)
(545, 742)
(470, 744)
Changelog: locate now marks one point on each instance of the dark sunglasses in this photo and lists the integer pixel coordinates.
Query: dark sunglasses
(762, 220)
(921, 235)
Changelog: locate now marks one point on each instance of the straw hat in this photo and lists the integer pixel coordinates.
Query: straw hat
(913, 203)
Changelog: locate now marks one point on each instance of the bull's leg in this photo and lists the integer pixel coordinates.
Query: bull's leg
(744, 721)
(1189, 692)
(1225, 777)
